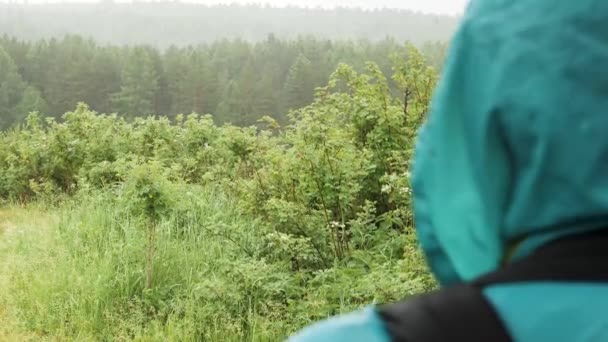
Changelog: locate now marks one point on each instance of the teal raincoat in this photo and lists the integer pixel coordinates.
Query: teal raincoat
(515, 149)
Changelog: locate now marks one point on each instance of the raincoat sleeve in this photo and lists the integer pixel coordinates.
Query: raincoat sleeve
(361, 326)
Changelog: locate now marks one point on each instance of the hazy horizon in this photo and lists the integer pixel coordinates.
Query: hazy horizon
(446, 7)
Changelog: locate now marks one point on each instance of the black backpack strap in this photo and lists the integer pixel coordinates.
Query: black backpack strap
(462, 313)
(459, 313)
(579, 258)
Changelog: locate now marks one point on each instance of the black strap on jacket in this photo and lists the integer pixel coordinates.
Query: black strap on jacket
(462, 313)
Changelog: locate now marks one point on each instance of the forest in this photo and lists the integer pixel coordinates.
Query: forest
(227, 191)
(236, 81)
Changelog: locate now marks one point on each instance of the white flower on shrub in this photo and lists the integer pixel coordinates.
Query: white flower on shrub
(336, 224)
(405, 191)
(387, 188)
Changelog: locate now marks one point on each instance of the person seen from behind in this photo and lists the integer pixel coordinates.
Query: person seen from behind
(510, 182)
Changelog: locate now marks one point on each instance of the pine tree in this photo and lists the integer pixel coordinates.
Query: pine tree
(198, 82)
(228, 110)
(177, 69)
(139, 85)
(246, 92)
(298, 89)
(37, 66)
(162, 100)
(69, 74)
(31, 101)
(105, 80)
(11, 89)
(265, 99)
(186, 74)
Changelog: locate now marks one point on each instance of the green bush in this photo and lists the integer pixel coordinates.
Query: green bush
(184, 230)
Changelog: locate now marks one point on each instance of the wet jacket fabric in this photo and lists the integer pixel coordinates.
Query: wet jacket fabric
(514, 152)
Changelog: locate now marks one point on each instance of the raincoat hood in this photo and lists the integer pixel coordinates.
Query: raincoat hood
(516, 144)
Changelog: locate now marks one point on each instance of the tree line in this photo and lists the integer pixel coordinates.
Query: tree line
(237, 81)
(162, 24)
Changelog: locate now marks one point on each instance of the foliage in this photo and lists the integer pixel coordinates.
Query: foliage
(11, 87)
(163, 224)
(148, 195)
(139, 85)
(236, 81)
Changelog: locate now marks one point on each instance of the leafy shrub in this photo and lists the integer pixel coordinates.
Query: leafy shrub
(189, 231)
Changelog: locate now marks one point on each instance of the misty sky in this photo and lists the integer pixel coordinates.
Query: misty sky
(428, 6)
(431, 6)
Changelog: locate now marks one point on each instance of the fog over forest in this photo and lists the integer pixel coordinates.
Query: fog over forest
(452, 7)
(172, 23)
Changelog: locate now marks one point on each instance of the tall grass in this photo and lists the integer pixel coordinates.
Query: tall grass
(77, 272)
